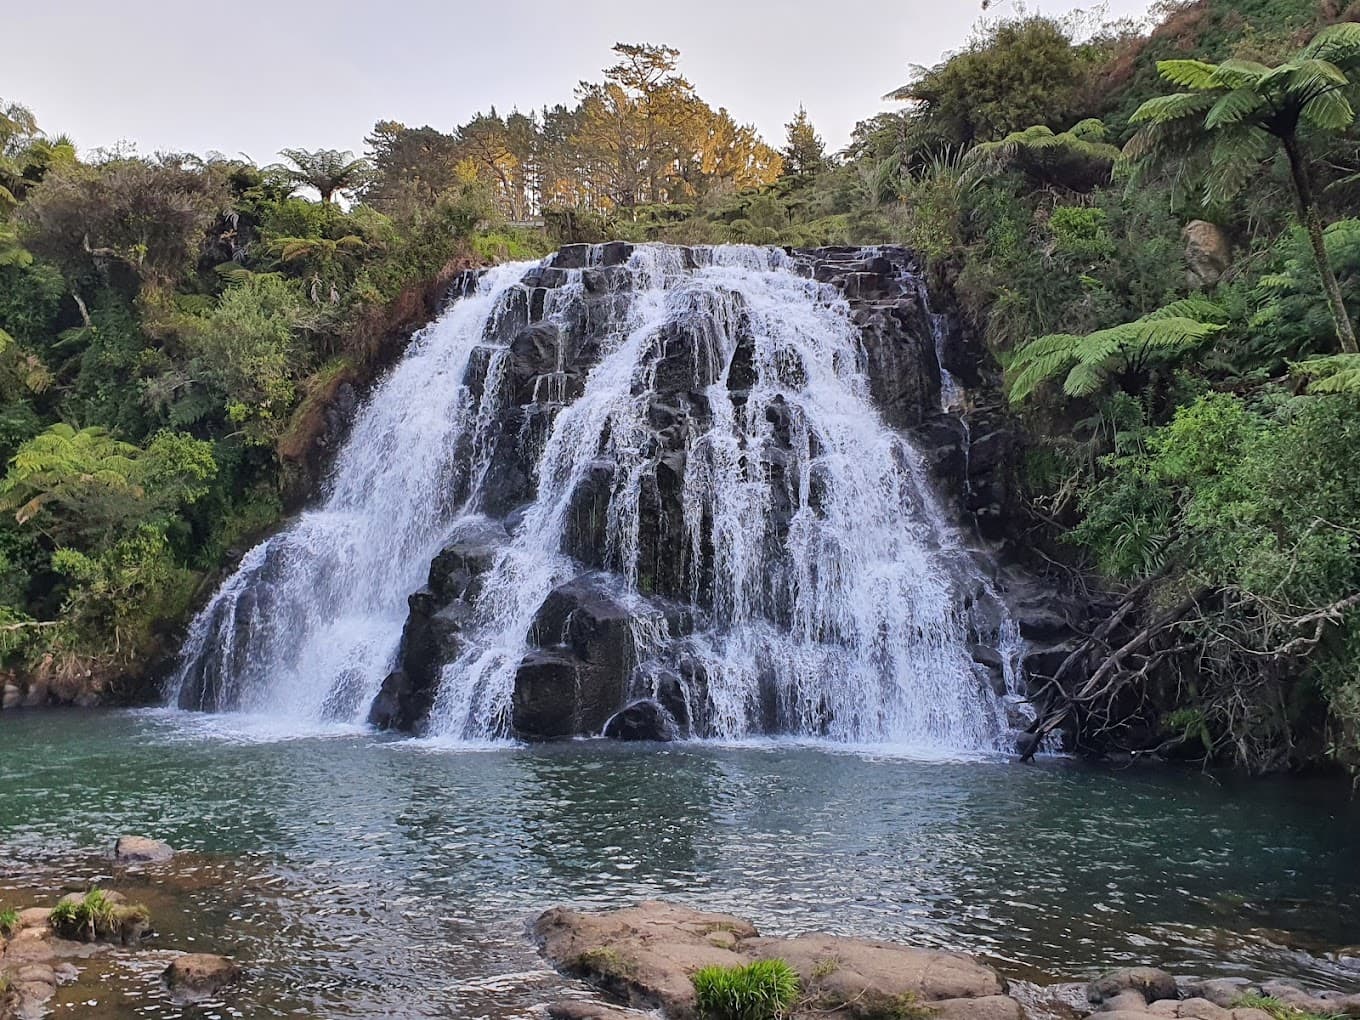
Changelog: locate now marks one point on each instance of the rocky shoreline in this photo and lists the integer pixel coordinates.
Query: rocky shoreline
(643, 958)
(57, 955)
(44, 948)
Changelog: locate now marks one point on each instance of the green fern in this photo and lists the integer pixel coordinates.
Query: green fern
(1339, 373)
(1078, 158)
(1239, 108)
(1089, 361)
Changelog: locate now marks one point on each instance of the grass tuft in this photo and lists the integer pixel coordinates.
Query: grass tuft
(9, 921)
(1282, 1010)
(97, 918)
(764, 990)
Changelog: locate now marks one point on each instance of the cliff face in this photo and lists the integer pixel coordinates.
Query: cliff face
(586, 672)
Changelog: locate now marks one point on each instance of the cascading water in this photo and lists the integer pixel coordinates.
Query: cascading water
(306, 627)
(696, 439)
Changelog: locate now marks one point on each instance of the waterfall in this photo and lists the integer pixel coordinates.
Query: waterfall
(688, 435)
(307, 625)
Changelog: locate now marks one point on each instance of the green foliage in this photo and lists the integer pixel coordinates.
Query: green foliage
(329, 171)
(249, 350)
(1078, 159)
(1020, 72)
(98, 918)
(764, 990)
(85, 486)
(1280, 1010)
(9, 921)
(804, 151)
(143, 216)
(1090, 361)
(1262, 504)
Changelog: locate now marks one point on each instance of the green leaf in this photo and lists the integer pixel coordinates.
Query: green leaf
(1189, 74)
(1339, 373)
(1233, 108)
(1165, 109)
(1330, 111)
(1237, 74)
(1339, 44)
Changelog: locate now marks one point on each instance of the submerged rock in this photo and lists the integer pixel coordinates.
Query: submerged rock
(200, 975)
(590, 1011)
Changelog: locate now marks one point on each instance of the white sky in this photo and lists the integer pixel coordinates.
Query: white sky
(246, 76)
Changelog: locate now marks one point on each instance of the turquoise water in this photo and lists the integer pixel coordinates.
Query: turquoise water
(367, 876)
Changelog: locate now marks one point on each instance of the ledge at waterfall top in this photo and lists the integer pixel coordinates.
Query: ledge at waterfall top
(649, 492)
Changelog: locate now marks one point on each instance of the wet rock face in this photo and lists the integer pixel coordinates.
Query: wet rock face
(578, 676)
(584, 672)
(644, 720)
(433, 632)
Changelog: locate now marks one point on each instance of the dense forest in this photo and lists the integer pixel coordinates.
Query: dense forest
(1154, 230)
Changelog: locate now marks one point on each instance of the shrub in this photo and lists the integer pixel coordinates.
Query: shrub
(764, 990)
(9, 920)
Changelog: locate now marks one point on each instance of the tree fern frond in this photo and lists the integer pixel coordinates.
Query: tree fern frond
(1329, 111)
(1339, 44)
(1085, 380)
(1233, 108)
(1307, 78)
(1236, 153)
(1339, 373)
(1198, 308)
(1237, 74)
(1178, 106)
(1092, 129)
(1188, 74)
(1174, 335)
(1276, 281)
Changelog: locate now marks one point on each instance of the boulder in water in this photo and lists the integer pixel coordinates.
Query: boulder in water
(141, 850)
(1151, 983)
(643, 720)
(200, 975)
(581, 1010)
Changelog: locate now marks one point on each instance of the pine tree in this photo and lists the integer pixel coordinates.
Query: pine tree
(804, 152)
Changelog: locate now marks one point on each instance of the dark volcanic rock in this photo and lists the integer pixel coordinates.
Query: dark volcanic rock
(471, 551)
(582, 675)
(579, 677)
(432, 637)
(643, 720)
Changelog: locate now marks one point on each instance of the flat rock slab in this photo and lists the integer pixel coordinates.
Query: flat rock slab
(646, 955)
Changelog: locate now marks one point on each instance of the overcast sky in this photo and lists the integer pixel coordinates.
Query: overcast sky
(252, 77)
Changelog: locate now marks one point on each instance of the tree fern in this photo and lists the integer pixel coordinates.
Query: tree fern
(1089, 361)
(1239, 112)
(1339, 373)
(1078, 158)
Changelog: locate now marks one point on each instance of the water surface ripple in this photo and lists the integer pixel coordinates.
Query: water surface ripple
(391, 877)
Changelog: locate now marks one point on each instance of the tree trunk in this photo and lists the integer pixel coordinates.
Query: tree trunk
(1303, 187)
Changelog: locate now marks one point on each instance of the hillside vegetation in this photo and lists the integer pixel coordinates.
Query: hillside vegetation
(1155, 232)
